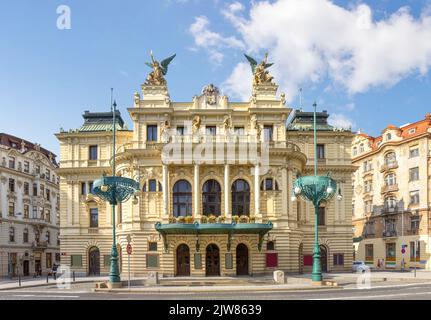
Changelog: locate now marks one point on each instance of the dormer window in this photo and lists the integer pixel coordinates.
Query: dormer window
(355, 151)
(388, 136)
(361, 148)
(412, 131)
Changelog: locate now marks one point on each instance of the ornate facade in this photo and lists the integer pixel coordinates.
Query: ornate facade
(391, 196)
(29, 203)
(216, 179)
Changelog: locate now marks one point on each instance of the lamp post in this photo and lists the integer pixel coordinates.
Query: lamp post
(115, 190)
(316, 189)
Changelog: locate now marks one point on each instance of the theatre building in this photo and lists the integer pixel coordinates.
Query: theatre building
(216, 182)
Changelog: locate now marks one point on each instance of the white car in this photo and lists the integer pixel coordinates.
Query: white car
(360, 266)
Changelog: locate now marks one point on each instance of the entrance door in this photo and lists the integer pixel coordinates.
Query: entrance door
(324, 258)
(94, 262)
(26, 268)
(183, 260)
(241, 260)
(212, 260)
(38, 267)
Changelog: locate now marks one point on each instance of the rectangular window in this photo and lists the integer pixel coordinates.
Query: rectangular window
(321, 216)
(48, 174)
(37, 169)
(415, 245)
(92, 153)
(152, 184)
(35, 189)
(269, 184)
(369, 252)
(76, 260)
(25, 236)
(211, 130)
(268, 133)
(94, 218)
(414, 223)
(338, 259)
(34, 212)
(151, 133)
(180, 131)
(11, 209)
(152, 246)
(26, 166)
(12, 185)
(414, 152)
(83, 188)
(90, 187)
(26, 189)
(48, 195)
(239, 131)
(26, 211)
(414, 174)
(414, 197)
(320, 151)
(12, 163)
(390, 251)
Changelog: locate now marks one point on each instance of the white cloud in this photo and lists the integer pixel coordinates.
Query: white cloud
(212, 41)
(239, 82)
(315, 40)
(340, 121)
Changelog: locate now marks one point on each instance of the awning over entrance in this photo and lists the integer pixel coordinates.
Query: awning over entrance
(214, 228)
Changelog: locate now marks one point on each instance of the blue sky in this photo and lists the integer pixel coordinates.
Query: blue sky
(49, 77)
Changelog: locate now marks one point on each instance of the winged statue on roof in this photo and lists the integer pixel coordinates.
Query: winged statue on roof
(260, 74)
(157, 76)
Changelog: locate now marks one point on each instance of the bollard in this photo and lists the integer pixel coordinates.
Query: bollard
(19, 280)
(73, 274)
(47, 277)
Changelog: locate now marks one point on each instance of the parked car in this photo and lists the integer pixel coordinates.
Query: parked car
(360, 266)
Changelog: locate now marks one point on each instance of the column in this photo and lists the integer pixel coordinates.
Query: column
(257, 193)
(165, 175)
(285, 187)
(196, 192)
(227, 214)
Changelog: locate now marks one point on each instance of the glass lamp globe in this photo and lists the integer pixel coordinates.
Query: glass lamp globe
(104, 188)
(297, 190)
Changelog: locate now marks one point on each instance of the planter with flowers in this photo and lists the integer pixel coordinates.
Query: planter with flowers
(252, 219)
(204, 219)
(221, 219)
(212, 219)
(235, 219)
(181, 219)
(172, 219)
(189, 219)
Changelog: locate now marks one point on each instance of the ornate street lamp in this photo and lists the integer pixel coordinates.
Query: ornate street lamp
(115, 190)
(316, 189)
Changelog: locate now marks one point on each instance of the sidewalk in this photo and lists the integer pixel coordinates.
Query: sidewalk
(9, 284)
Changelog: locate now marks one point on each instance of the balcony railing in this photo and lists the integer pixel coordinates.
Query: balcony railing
(390, 233)
(390, 188)
(412, 232)
(389, 165)
(39, 244)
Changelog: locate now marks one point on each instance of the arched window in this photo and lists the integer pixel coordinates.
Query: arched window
(390, 158)
(388, 136)
(270, 246)
(25, 236)
(390, 179)
(94, 217)
(355, 151)
(361, 148)
(240, 198)
(269, 184)
(211, 198)
(182, 198)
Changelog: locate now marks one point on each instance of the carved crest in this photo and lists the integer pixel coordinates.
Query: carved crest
(211, 94)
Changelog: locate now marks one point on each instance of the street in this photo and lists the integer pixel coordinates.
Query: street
(381, 291)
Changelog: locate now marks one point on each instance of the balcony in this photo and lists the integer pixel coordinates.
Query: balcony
(369, 235)
(39, 245)
(389, 165)
(412, 232)
(389, 234)
(389, 188)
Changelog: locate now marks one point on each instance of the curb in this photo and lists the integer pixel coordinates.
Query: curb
(215, 290)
